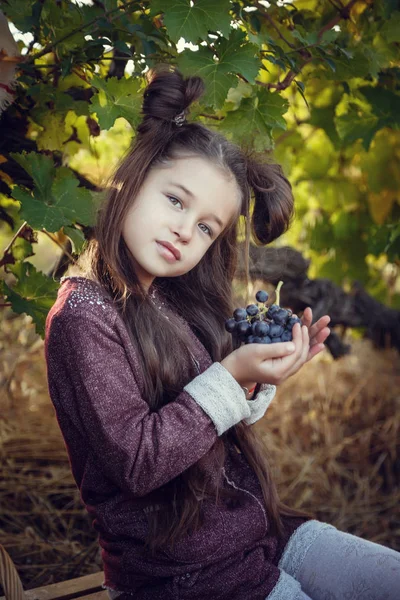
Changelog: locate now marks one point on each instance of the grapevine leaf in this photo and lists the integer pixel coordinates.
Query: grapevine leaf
(57, 200)
(77, 238)
(74, 202)
(324, 118)
(234, 56)
(21, 14)
(256, 117)
(46, 97)
(193, 21)
(53, 135)
(352, 126)
(384, 103)
(347, 66)
(116, 98)
(344, 225)
(380, 205)
(33, 294)
(391, 28)
(40, 168)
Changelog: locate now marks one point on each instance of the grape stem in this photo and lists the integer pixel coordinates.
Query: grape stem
(278, 292)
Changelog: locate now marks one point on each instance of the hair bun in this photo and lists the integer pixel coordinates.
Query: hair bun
(168, 93)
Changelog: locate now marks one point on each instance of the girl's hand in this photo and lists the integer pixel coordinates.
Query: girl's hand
(317, 332)
(269, 363)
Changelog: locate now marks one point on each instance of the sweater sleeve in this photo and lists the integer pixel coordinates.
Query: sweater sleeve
(92, 380)
(264, 394)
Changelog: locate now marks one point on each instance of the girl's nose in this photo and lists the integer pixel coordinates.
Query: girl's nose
(184, 232)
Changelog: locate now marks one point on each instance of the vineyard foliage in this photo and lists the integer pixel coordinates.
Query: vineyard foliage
(315, 82)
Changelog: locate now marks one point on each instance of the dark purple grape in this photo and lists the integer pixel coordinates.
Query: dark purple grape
(275, 330)
(239, 314)
(280, 316)
(243, 328)
(279, 319)
(230, 325)
(261, 328)
(272, 310)
(287, 336)
(266, 325)
(292, 322)
(262, 296)
(252, 310)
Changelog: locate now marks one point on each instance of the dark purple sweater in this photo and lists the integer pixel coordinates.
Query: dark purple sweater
(121, 455)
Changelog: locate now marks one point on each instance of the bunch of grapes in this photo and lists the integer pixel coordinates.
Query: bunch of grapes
(262, 324)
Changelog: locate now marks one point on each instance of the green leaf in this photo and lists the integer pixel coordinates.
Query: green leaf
(21, 14)
(391, 28)
(384, 103)
(53, 104)
(234, 56)
(321, 236)
(347, 66)
(345, 225)
(116, 98)
(306, 38)
(193, 21)
(75, 203)
(324, 117)
(57, 199)
(59, 24)
(34, 293)
(77, 238)
(301, 87)
(253, 121)
(353, 126)
(40, 168)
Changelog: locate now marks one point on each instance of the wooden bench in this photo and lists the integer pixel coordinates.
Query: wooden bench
(84, 588)
(87, 587)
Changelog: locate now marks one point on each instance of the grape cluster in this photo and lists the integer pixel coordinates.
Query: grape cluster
(262, 324)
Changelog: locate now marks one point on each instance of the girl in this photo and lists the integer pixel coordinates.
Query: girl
(155, 404)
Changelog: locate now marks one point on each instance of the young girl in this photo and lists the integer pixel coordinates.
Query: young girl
(154, 402)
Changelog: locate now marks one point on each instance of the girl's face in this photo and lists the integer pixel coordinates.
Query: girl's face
(187, 203)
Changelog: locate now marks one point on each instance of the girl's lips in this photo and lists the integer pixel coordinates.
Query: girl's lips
(167, 254)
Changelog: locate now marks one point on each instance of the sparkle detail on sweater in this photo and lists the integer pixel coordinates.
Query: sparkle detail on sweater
(87, 294)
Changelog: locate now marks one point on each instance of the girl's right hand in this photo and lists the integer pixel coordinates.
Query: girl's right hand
(269, 363)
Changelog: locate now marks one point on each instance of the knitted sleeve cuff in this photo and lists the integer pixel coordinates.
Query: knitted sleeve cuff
(220, 396)
(261, 402)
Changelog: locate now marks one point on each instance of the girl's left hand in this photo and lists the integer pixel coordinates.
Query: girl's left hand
(318, 332)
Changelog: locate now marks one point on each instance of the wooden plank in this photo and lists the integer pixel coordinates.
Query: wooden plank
(96, 596)
(88, 586)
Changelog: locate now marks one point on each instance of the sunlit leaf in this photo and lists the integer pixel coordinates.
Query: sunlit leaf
(193, 21)
(33, 294)
(234, 56)
(116, 98)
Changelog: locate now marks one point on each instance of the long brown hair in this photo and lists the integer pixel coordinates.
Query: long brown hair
(203, 296)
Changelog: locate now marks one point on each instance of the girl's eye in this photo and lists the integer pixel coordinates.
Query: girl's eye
(173, 198)
(208, 230)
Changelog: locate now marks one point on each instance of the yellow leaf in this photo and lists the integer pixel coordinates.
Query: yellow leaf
(6, 177)
(380, 205)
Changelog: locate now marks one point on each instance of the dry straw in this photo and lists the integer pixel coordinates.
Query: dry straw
(332, 433)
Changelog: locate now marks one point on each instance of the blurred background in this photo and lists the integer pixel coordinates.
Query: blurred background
(312, 85)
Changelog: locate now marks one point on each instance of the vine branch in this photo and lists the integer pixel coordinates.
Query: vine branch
(52, 45)
(344, 13)
(265, 13)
